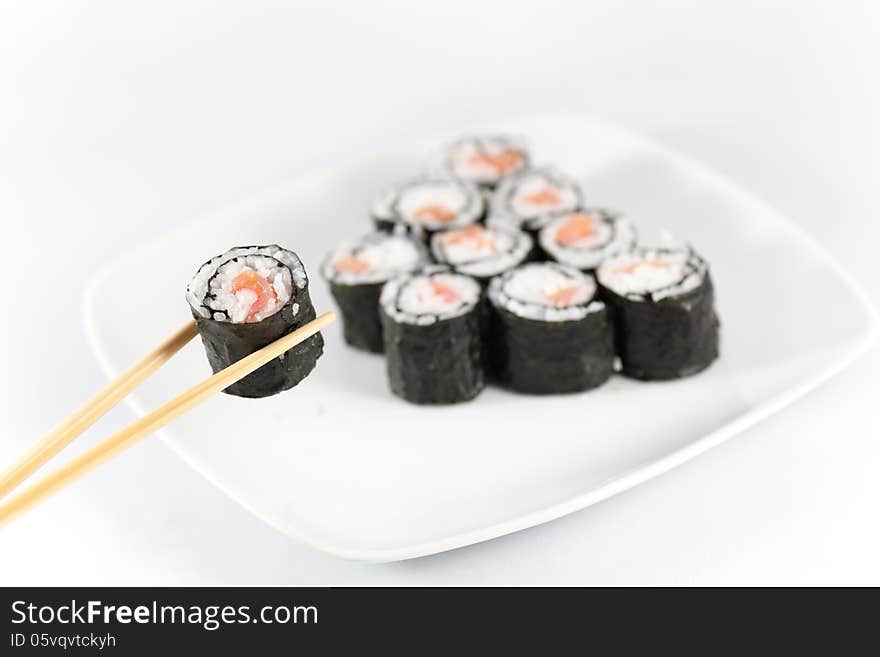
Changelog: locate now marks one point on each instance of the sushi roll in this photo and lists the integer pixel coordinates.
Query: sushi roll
(246, 298)
(584, 238)
(485, 160)
(663, 303)
(550, 334)
(424, 206)
(481, 251)
(527, 199)
(432, 328)
(356, 272)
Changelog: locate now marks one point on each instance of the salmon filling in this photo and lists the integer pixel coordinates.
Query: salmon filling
(251, 285)
(633, 267)
(546, 292)
(549, 284)
(548, 196)
(373, 258)
(481, 251)
(442, 291)
(562, 297)
(504, 162)
(248, 288)
(432, 295)
(586, 237)
(433, 212)
(474, 238)
(436, 204)
(486, 160)
(576, 229)
(350, 264)
(653, 272)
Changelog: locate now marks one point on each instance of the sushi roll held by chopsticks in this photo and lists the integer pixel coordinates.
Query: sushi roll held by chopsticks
(664, 311)
(356, 272)
(246, 298)
(251, 306)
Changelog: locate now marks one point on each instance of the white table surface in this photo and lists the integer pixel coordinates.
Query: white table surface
(118, 123)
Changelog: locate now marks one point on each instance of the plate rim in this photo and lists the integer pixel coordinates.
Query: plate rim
(610, 487)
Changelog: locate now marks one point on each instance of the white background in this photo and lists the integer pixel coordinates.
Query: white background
(119, 122)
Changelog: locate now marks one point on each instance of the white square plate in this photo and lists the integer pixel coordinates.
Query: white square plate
(342, 465)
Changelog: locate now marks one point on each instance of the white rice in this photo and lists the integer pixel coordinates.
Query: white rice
(464, 158)
(481, 251)
(412, 202)
(512, 199)
(210, 292)
(611, 235)
(652, 273)
(384, 256)
(411, 299)
(528, 291)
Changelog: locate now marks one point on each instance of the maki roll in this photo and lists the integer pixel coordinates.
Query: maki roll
(663, 303)
(550, 334)
(481, 251)
(357, 271)
(527, 199)
(424, 206)
(485, 160)
(584, 238)
(431, 325)
(247, 298)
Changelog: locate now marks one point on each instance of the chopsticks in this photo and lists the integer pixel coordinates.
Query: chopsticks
(157, 419)
(95, 408)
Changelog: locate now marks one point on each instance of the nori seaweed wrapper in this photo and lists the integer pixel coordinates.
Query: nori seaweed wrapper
(438, 363)
(537, 356)
(359, 307)
(385, 225)
(441, 363)
(668, 338)
(533, 229)
(228, 342)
